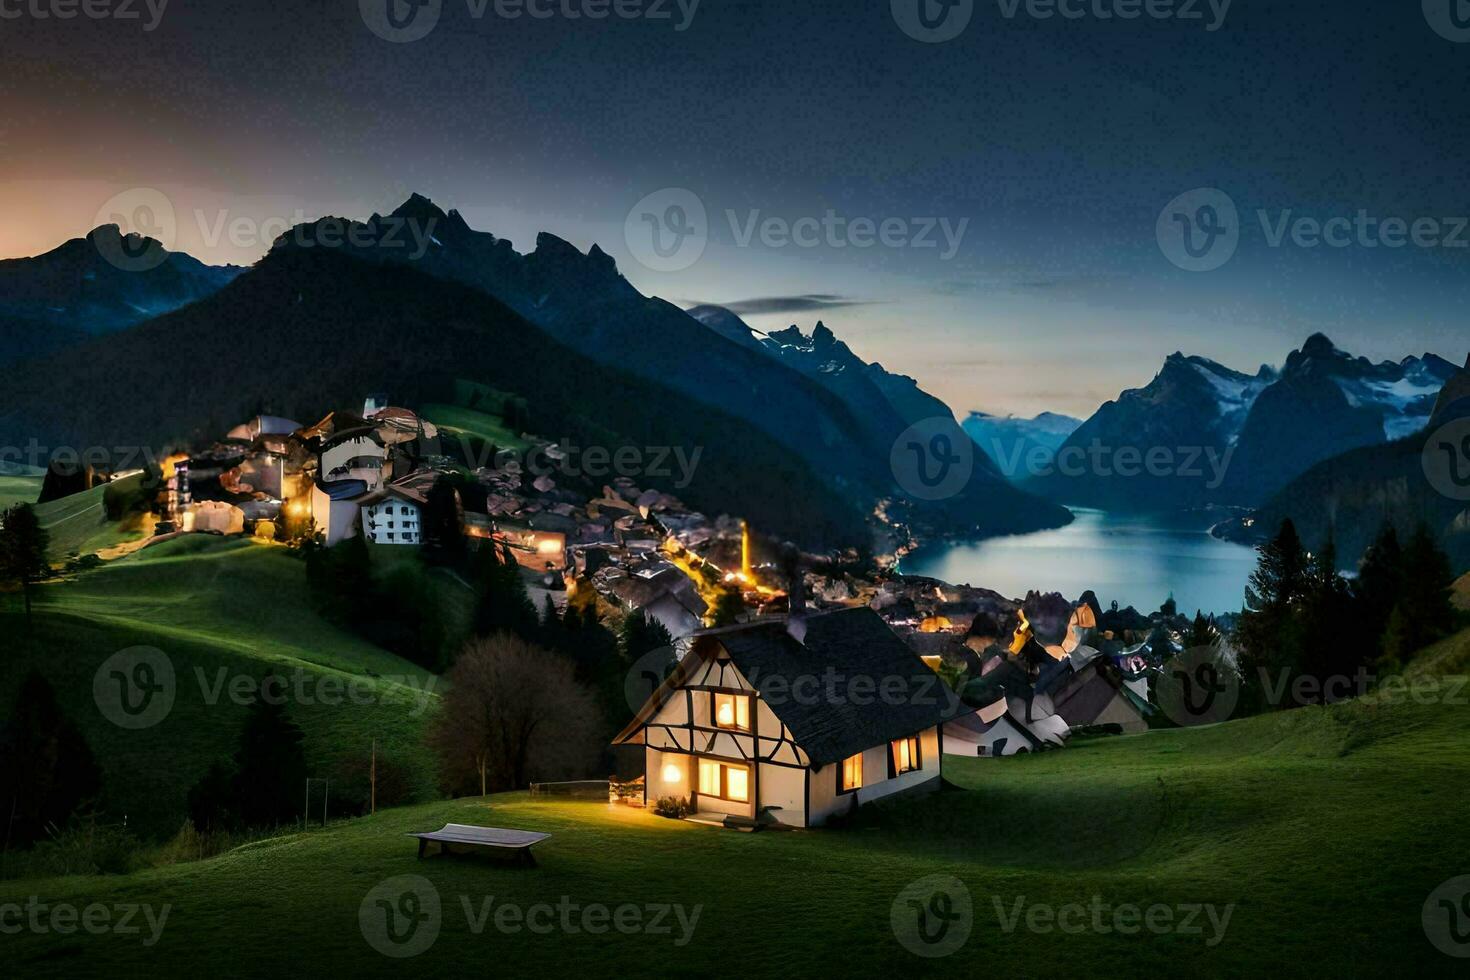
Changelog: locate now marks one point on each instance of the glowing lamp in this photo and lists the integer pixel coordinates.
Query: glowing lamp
(672, 773)
(727, 713)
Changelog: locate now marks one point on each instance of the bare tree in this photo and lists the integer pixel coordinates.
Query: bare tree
(513, 713)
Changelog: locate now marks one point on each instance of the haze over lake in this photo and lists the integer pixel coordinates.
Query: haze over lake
(1136, 559)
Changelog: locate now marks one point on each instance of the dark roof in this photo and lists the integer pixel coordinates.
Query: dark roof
(343, 489)
(836, 719)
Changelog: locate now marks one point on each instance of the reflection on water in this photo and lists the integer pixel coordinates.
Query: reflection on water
(1136, 559)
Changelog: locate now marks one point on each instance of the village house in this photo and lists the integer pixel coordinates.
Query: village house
(393, 515)
(793, 721)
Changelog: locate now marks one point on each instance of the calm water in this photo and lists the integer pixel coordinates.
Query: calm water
(1135, 559)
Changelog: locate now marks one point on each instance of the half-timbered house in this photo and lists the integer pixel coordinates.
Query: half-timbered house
(792, 721)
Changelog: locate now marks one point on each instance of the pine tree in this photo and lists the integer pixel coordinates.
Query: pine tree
(49, 772)
(23, 544)
(1269, 635)
(270, 763)
(640, 634)
(1379, 582)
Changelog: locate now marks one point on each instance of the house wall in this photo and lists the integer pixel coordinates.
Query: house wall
(336, 520)
(828, 800)
(392, 521)
(335, 462)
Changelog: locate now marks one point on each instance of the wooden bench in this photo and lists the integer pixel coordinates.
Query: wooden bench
(517, 841)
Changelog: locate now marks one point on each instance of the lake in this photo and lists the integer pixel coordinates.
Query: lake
(1136, 559)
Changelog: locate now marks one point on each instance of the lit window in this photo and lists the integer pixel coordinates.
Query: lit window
(905, 755)
(852, 772)
(732, 711)
(737, 784)
(709, 778)
(724, 782)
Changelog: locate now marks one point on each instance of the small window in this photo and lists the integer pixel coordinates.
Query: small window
(723, 781)
(732, 711)
(905, 755)
(852, 773)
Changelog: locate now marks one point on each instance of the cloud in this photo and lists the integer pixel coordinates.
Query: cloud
(807, 303)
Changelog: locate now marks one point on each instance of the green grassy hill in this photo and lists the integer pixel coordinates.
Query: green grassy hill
(78, 524)
(212, 605)
(1323, 829)
(18, 490)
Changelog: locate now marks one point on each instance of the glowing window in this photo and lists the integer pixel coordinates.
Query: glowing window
(852, 772)
(724, 782)
(732, 711)
(905, 755)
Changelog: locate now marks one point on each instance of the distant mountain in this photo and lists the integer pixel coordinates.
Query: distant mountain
(886, 403)
(1352, 494)
(1324, 403)
(310, 330)
(85, 287)
(1223, 437)
(582, 301)
(1189, 415)
(1019, 445)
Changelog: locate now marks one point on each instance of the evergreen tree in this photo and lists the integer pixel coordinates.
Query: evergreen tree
(1170, 608)
(1269, 634)
(49, 771)
(504, 606)
(1202, 632)
(640, 634)
(1423, 613)
(270, 763)
(444, 542)
(1379, 583)
(1331, 640)
(729, 607)
(23, 544)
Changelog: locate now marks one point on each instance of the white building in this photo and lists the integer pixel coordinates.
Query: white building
(393, 515)
(793, 722)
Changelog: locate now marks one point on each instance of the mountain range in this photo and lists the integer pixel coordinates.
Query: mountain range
(1020, 445)
(1225, 437)
(1349, 497)
(805, 452)
(58, 299)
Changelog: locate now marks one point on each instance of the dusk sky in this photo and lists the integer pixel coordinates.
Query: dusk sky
(1055, 144)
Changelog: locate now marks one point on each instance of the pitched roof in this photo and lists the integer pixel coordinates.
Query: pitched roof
(849, 685)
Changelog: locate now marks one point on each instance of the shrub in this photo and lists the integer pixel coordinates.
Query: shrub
(673, 807)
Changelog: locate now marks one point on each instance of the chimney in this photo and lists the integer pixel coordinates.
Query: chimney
(795, 591)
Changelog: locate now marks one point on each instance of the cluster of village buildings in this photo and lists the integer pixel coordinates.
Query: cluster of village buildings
(1030, 673)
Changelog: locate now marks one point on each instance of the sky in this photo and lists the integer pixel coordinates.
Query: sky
(996, 206)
